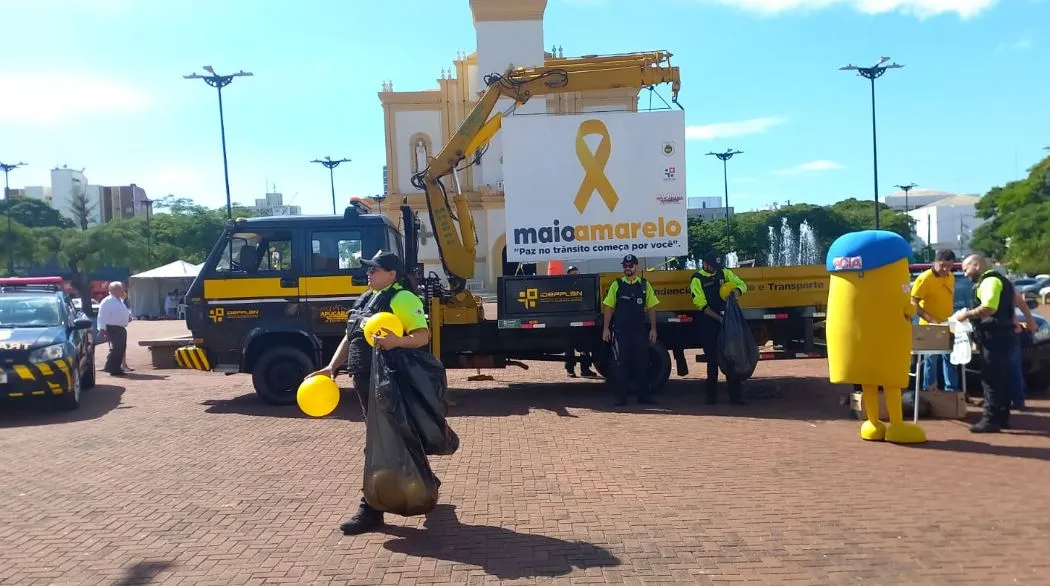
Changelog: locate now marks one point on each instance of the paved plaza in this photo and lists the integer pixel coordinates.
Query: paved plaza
(177, 477)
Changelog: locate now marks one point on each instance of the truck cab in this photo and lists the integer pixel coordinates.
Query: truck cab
(272, 297)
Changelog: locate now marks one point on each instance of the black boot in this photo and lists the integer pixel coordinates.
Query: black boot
(367, 519)
(1004, 418)
(989, 423)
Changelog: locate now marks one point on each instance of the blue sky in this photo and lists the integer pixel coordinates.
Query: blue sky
(97, 84)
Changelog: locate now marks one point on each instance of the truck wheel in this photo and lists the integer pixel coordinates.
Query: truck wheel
(278, 373)
(659, 367)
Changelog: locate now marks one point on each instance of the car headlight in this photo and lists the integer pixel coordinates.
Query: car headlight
(48, 353)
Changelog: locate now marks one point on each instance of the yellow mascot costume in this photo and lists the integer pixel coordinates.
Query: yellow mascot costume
(869, 326)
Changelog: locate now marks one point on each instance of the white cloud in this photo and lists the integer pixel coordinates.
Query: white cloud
(54, 98)
(810, 167)
(917, 8)
(731, 129)
(1022, 43)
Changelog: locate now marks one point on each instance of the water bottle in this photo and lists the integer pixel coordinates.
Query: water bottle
(961, 349)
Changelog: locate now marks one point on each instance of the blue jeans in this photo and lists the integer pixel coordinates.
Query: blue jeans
(1017, 386)
(929, 372)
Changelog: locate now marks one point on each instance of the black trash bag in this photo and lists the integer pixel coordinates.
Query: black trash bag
(737, 350)
(398, 478)
(422, 382)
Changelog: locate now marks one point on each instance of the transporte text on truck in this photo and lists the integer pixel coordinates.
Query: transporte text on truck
(273, 295)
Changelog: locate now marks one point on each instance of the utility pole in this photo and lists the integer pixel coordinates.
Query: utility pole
(872, 73)
(905, 189)
(331, 165)
(7, 200)
(724, 157)
(218, 82)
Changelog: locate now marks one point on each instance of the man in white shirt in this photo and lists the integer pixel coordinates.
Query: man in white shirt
(113, 318)
(171, 303)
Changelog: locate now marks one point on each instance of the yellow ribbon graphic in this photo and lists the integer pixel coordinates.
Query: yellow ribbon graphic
(594, 165)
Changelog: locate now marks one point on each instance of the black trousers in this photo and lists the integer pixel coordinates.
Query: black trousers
(118, 348)
(997, 368)
(710, 330)
(631, 351)
(570, 359)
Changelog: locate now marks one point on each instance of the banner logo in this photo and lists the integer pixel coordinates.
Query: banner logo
(528, 297)
(594, 166)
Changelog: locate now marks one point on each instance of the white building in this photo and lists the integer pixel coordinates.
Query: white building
(273, 205)
(419, 123)
(707, 208)
(916, 198)
(948, 222)
(39, 193)
(71, 185)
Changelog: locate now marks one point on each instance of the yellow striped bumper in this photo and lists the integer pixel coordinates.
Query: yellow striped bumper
(37, 379)
(192, 357)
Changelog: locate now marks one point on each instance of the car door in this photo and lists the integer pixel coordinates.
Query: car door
(255, 293)
(335, 277)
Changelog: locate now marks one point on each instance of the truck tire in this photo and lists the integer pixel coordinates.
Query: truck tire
(659, 365)
(278, 373)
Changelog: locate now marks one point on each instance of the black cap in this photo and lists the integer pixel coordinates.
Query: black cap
(712, 258)
(630, 259)
(388, 261)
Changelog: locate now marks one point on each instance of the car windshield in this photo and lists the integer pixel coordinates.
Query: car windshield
(30, 311)
(1023, 282)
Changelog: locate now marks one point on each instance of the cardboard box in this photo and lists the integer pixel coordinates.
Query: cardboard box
(931, 337)
(943, 405)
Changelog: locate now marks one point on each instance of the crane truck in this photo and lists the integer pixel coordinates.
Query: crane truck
(271, 299)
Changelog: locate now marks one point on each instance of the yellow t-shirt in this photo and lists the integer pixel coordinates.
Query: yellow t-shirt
(936, 295)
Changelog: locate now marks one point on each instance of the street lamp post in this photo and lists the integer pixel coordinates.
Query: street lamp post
(378, 198)
(7, 200)
(218, 82)
(963, 228)
(724, 157)
(872, 73)
(331, 165)
(905, 189)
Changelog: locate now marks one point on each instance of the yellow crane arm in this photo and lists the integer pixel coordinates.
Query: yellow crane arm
(457, 247)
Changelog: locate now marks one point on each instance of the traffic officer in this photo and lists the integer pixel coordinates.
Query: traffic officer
(706, 289)
(391, 290)
(993, 323)
(629, 300)
(570, 353)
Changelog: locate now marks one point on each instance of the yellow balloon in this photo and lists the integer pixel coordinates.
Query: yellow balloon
(727, 288)
(317, 396)
(375, 325)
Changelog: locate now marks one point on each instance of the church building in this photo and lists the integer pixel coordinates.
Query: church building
(419, 123)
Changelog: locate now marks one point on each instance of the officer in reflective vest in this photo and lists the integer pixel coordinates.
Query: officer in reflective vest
(706, 289)
(389, 289)
(993, 323)
(627, 304)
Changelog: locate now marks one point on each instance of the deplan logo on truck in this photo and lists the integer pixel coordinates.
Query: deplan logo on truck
(586, 186)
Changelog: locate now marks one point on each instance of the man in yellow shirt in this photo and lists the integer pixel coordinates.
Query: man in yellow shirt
(933, 295)
(706, 289)
(628, 303)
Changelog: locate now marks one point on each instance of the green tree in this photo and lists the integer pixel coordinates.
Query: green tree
(82, 208)
(22, 245)
(33, 213)
(1017, 231)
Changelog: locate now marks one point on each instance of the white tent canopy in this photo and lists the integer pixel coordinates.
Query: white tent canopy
(148, 289)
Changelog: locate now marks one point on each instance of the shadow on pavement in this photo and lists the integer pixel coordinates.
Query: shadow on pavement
(802, 398)
(94, 403)
(977, 447)
(142, 573)
(250, 404)
(500, 552)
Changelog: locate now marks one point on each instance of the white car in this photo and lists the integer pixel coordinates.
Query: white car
(1044, 295)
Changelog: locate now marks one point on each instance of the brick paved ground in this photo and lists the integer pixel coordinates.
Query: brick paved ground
(178, 477)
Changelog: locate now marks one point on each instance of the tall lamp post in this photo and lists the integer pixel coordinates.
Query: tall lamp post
(7, 200)
(965, 239)
(724, 157)
(378, 198)
(331, 165)
(906, 189)
(218, 82)
(872, 73)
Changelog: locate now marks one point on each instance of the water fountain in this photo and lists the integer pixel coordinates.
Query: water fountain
(788, 247)
(732, 260)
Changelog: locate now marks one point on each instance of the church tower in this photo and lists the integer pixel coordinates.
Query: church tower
(507, 32)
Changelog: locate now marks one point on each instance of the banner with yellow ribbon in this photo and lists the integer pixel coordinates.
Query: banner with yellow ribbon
(593, 186)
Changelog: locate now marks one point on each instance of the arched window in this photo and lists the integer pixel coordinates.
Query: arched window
(421, 149)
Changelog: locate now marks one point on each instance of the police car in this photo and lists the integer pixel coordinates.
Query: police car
(46, 344)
